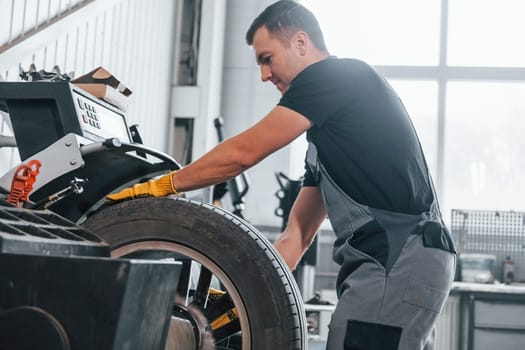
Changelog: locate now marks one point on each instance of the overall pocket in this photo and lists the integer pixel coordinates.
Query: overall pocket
(435, 235)
(371, 336)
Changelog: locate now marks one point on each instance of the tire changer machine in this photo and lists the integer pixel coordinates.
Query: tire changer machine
(59, 288)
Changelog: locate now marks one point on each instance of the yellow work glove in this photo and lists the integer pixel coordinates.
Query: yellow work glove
(162, 186)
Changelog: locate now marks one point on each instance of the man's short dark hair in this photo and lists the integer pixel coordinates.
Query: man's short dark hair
(283, 19)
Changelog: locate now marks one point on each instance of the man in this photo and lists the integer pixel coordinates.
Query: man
(364, 169)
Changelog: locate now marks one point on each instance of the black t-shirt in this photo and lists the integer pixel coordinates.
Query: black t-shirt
(363, 135)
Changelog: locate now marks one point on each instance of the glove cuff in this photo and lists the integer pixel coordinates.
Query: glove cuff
(164, 185)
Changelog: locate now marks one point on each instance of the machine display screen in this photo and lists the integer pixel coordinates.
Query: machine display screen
(99, 122)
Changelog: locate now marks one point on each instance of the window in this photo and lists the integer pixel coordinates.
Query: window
(484, 145)
(382, 31)
(486, 33)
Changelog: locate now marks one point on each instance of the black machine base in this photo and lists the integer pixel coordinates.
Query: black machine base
(60, 290)
(89, 303)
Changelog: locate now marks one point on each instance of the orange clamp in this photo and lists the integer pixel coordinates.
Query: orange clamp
(23, 180)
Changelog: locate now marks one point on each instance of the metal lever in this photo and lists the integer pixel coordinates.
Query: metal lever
(76, 187)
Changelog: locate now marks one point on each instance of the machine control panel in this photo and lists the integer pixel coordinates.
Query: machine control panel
(43, 112)
(99, 122)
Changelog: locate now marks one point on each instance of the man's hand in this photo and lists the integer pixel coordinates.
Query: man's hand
(162, 186)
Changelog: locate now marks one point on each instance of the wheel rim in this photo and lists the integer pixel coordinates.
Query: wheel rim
(183, 310)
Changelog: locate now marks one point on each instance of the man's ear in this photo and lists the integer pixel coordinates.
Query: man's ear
(301, 41)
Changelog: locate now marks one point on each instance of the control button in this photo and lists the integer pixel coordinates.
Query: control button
(80, 103)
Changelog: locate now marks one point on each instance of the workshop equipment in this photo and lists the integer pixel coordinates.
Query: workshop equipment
(57, 279)
(477, 268)
(494, 232)
(23, 180)
(60, 290)
(76, 136)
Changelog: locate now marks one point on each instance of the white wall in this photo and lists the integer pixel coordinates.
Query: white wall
(133, 39)
(245, 100)
(209, 76)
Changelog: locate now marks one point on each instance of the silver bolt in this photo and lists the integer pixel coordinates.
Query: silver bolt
(68, 143)
(73, 162)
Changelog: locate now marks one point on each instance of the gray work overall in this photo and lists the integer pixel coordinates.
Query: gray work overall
(390, 307)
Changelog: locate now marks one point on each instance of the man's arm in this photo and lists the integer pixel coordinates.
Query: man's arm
(234, 155)
(229, 158)
(307, 214)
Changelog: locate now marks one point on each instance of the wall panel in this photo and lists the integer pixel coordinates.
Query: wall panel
(131, 38)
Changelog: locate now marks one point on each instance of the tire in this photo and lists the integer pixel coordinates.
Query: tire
(245, 264)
